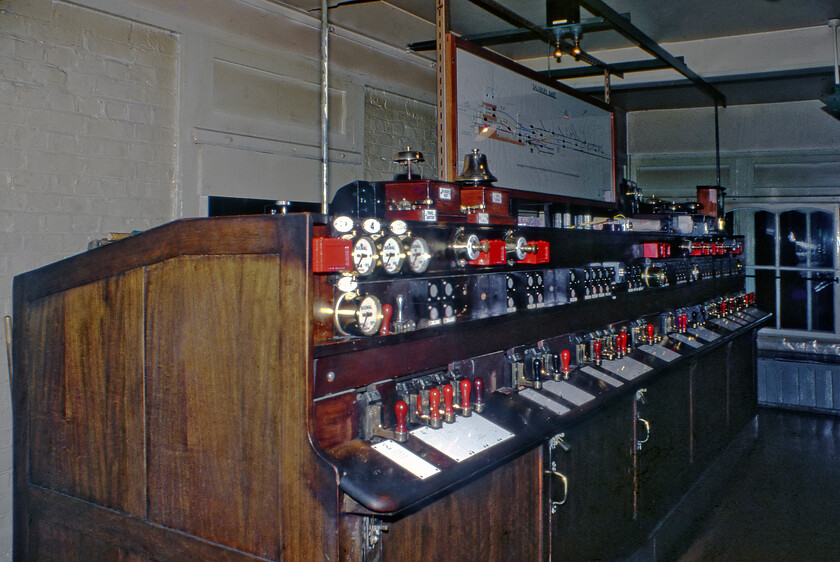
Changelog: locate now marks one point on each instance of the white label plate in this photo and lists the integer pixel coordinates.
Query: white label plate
(601, 376)
(419, 467)
(544, 401)
(626, 368)
(660, 352)
(686, 340)
(464, 438)
(568, 392)
(704, 333)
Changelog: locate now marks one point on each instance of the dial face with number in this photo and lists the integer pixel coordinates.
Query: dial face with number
(392, 255)
(364, 256)
(343, 224)
(371, 226)
(419, 255)
(369, 315)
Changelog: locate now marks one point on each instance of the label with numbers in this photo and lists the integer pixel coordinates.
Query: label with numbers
(482, 218)
(430, 215)
(419, 467)
(464, 438)
(445, 193)
(496, 197)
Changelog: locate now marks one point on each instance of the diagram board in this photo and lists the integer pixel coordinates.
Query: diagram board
(535, 136)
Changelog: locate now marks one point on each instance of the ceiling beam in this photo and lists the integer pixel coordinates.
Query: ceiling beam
(586, 71)
(515, 35)
(515, 19)
(634, 34)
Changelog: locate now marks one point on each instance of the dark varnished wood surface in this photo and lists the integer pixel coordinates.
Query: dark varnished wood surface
(166, 380)
(86, 402)
(496, 518)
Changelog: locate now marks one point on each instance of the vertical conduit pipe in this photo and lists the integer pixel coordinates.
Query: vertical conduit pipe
(717, 143)
(325, 107)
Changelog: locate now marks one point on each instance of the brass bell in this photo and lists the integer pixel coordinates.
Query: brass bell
(476, 171)
(407, 157)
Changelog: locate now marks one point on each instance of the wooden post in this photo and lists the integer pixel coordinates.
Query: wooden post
(446, 107)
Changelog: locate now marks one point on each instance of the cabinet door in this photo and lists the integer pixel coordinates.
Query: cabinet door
(743, 401)
(590, 482)
(709, 404)
(663, 454)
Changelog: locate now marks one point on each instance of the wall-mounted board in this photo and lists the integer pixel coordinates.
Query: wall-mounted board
(537, 134)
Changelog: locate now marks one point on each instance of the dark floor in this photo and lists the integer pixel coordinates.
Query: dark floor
(783, 502)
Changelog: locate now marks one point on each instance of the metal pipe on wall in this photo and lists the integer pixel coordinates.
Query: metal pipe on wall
(325, 107)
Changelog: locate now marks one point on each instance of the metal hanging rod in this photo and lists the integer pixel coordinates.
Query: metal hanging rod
(549, 37)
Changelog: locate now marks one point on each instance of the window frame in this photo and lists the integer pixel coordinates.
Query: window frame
(748, 231)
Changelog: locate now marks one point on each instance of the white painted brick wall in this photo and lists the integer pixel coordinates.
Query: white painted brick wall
(392, 123)
(88, 120)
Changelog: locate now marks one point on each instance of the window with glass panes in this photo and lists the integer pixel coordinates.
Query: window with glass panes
(792, 263)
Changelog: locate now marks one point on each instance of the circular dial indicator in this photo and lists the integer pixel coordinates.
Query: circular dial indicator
(419, 255)
(392, 255)
(358, 316)
(364, 255)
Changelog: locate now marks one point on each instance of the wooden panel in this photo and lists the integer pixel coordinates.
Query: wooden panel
(214, 387)
(65, 528)
(87, 425)
(494, 518)
(52, 542)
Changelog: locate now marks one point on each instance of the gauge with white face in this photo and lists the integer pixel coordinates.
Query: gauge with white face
(356, 315)
(343, 224)
(419, 255)
(364, 255)
(371, 226)
(392, 255)
(369, 315)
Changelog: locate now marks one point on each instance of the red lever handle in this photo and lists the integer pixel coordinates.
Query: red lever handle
(466, 386)
(682, 322)
(434, 404)
(650, 332)
(478, 384)
(401, 411)
(387, 311)
(565, 359)
(448, 395)
(723, 308)
(596, 349)
(622, 342)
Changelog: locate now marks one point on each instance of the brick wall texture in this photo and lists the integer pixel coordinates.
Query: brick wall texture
(88, 131)
(392, 123)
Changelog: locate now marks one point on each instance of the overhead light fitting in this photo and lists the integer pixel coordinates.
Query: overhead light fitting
(576, 50)
(558, 54)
